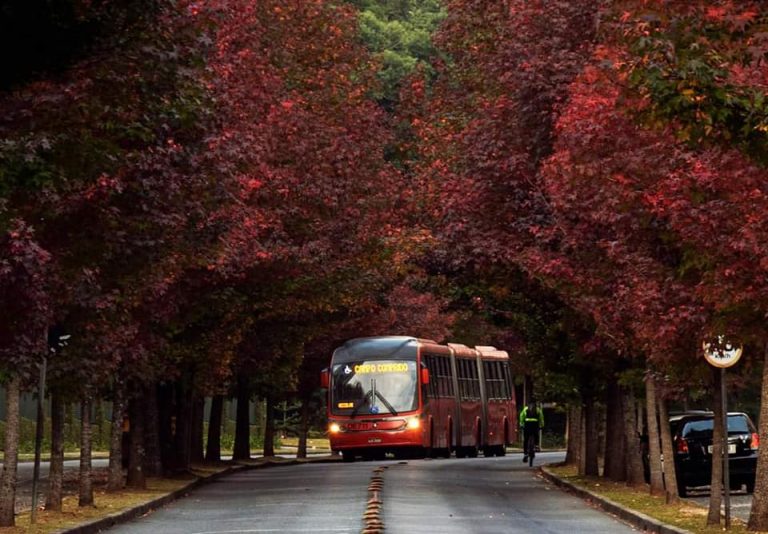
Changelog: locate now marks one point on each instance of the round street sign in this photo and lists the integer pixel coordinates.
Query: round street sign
(720, 352)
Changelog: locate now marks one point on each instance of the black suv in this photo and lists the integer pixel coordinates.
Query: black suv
(692, 440)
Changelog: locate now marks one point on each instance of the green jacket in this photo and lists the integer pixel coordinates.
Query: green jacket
(538, 416)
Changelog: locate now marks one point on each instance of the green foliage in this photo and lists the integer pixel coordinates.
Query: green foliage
(100, 436)
(684, 66)
(399, 35)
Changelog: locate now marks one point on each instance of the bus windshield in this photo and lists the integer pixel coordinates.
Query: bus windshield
(372, 387)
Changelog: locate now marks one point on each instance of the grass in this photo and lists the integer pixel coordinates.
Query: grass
(319, 444)
(683, 515)
(72, 455)
(108, 503)
(105, 504)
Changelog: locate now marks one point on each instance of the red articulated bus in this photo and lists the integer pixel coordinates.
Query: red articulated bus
(414, 397)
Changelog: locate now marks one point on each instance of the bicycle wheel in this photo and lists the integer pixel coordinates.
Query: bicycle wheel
(531, 450)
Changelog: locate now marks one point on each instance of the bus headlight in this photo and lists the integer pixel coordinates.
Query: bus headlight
(414, 423)
(334, 428)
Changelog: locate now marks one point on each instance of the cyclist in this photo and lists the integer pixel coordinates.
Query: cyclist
(531, 421)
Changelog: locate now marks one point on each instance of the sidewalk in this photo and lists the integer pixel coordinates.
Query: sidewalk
(637, 507)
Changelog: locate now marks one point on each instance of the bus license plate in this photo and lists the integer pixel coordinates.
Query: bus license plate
(731, 448)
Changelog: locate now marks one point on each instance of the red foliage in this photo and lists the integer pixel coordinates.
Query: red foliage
(634, 227)
(24, 303)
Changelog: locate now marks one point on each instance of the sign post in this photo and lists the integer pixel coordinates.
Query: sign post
(722, 354)
(57, 340)
(38, 439)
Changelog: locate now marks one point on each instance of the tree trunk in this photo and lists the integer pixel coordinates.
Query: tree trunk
(153, 465)
(258, 421)
(716, 484)
(166, 425)
(758, 515)
(56, 469)
(242, 447)
(98, 414)
(71, 430)
(600, 423)
(136, 477)
(86, 473)
(615, 465)
(667, 447)
(303, 429)
(213, 447)
(634, 453)
(196, 430)
(115, 469)
(269, 428)
(591, 438)
(573, 453)
(11, 458)
(654, 448)
(183, 437)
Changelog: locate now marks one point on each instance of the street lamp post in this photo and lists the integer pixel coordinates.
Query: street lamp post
(722, 354)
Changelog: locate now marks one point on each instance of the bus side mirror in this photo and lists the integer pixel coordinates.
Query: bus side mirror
(325, 378)
(425, 376)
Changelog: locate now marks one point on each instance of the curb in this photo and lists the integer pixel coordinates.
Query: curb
(103, 523)
(634, 518)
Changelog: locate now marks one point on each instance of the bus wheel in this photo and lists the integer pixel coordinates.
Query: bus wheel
(502, 451)
(348, 456)
(472, 452)
(441, 453)
(461, 452)
(490, 450)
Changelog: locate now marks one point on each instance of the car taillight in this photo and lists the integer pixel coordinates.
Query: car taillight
(682, 445)
(755, 441)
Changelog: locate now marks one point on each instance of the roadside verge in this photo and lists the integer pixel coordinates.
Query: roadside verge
(637, 519)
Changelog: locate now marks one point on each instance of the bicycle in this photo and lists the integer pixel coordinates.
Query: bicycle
(529, 451)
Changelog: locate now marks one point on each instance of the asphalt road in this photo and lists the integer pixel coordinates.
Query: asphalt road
(479, 495)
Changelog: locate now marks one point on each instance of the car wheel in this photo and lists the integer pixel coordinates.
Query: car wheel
(750, 486)
(682, 491)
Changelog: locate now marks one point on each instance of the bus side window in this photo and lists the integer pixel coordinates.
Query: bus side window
(471, 379)
(488, 380)
(508, 386)
(475, 381)
(441, 391)
(440, 378)
(489, 369)
(501, 373)
(448, 378)
(462, 378)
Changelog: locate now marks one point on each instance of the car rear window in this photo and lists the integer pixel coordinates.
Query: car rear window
(737, 424)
